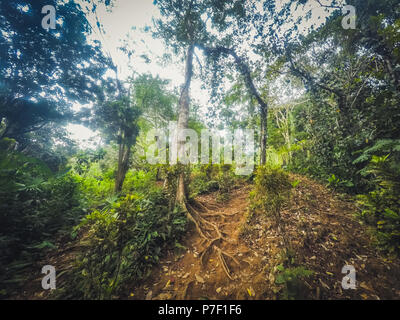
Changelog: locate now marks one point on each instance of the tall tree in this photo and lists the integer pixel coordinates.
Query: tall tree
(45, 71)
(183, 26)
(116, 117)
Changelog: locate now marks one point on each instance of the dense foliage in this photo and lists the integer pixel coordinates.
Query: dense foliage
(380, 207)
(38, 207)
(122, 242)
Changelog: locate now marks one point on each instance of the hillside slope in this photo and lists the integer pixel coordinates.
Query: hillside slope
(324, 236)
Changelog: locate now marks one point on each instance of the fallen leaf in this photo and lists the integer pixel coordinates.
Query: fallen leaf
(365, 286)
(199, 279)
(251, 292)
(218, 290)
(324, 284)
(164, 296)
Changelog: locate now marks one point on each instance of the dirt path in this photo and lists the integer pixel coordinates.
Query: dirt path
(324, 235)
(184, 277)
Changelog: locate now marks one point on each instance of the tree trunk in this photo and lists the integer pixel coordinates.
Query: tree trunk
(263, 137)
(288, 137)
(123, 166)
(183, 120)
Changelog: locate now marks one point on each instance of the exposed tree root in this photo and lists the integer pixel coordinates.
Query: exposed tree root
(219, 214)
(208, 206)
(205, 228)
(203, 207)
(223, 261)
(186, 290)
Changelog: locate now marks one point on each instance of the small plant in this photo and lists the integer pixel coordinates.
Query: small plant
(381, 207)
(123, 241)
(203, 182)
(335, 183)
(226, 182)
(295, 183)
(271, 190)
(293, 281)
(245, 230)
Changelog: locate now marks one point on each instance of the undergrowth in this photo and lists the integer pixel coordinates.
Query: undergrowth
(122, 243)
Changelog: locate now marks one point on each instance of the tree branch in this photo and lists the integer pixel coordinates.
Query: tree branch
(242, 67)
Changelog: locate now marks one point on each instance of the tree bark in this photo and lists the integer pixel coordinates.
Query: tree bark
(123, 165)
(183, 120)
(263, 136)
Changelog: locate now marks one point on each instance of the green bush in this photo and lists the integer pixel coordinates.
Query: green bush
(95, 186)
(139, 181)
(213, 177)
(226, 182)
(37, 207)
(381, 207)
(199, 184)
(122, 243)
(338, 184)
(293, 281)
(271, 190)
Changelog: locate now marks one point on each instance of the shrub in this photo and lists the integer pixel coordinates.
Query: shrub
(139, 181)
(381, 207)
(123, 243)
(226, 182)
(271, 190)
(293, 281)
(37, 207)
(199, 184)
(213, 177)
(95, 186)
(338, 184)
(204, 179)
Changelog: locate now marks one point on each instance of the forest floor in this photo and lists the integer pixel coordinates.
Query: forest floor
(323, 233)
